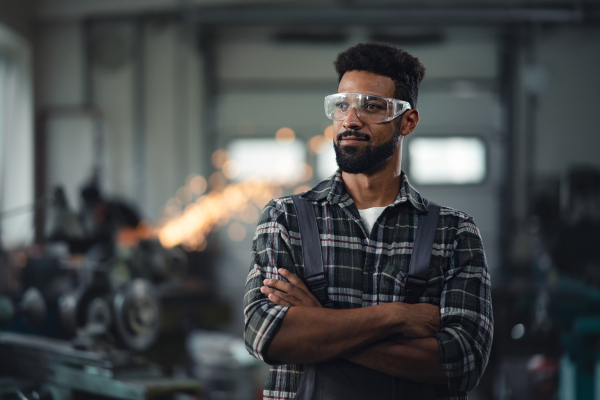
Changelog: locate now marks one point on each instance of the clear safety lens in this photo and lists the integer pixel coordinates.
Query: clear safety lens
(368, 108)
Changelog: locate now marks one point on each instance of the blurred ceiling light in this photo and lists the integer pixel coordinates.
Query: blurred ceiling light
(246, 128)
(231, 169)
(311, 37)
(218, 159)
(198, 185)
(447, 160)
(328, 133)
(285, 136)
(315, 144)
(236, 232)
(409, 38)
(184, 195)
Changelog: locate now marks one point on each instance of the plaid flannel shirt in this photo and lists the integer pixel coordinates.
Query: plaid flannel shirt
(369, 268)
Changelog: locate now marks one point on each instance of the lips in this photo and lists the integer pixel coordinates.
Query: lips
(354, 138)
(351, 137)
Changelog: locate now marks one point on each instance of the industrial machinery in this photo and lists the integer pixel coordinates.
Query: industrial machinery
(79, 315)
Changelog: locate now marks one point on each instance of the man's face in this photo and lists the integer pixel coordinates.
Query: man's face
(364, 147)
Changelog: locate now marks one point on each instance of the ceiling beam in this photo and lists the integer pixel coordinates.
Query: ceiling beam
(381, 16)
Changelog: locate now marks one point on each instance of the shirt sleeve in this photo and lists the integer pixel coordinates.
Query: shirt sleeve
(466, 311)
(270, 251)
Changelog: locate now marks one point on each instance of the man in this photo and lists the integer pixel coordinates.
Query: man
(367, 215)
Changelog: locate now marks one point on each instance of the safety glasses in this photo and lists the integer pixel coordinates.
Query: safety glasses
(369, 108)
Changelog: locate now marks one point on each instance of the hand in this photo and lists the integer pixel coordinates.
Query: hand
(420, 320)
(292, 293)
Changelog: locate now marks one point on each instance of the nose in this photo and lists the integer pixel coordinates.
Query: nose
(352, 121)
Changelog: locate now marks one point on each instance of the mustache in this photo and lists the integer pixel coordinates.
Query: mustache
(357, 134)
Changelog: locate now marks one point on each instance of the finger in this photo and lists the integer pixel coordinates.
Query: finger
(279, 301)
(285, 287)
(292, 278)
(292, 300)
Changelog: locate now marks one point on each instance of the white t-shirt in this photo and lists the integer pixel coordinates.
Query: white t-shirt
(369, 216)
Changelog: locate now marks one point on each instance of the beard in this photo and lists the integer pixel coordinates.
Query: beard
(354, 160)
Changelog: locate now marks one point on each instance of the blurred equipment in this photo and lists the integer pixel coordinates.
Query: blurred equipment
(548, 310)
(570, 298)
(32, 307)
(223, 366)
(61, 222)
(93, 314)
(137, 314)
(77, 311)
(58, 371)
(574, 249)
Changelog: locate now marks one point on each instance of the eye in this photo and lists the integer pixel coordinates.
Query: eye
(341, 105)
(373, 107)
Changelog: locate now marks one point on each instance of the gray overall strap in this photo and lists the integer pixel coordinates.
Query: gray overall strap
(314, 273)
(416, 282)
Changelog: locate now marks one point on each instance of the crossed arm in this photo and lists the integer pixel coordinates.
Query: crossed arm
(394, 338)
(391, 338)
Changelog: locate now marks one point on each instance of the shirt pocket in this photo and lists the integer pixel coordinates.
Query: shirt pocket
(393, 282)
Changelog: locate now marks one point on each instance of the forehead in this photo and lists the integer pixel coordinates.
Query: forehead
(367, 82)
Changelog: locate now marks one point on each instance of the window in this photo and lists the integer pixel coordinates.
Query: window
(453, 160)
(267, 159)
(326, 163)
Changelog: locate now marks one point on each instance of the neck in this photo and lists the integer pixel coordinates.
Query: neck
(376, 189)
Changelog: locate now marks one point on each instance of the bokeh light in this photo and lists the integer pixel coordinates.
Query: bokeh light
(217, 181)
(219, 158)
(249, 214)
(184, 195)
(213, 210)
(328, 133)
(231, 169)
(285, 136)
(236, 232)
(307, 173)
(301, 189)
(315, 144)
(198, 185)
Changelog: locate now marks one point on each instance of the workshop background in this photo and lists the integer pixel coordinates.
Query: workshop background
(140, 139)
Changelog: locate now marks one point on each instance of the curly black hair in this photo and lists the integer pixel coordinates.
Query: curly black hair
(382, 59)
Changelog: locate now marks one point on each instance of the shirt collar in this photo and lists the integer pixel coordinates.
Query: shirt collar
(333, 190)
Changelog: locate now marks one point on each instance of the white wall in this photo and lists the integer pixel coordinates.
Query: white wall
(172, 94)
(16, 139)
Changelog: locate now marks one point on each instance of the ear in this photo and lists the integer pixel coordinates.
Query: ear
(410, 119)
